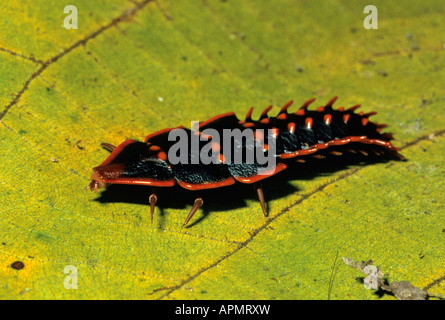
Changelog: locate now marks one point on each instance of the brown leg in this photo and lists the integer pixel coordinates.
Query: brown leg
(153, 198)
(107, 146)
(197, 204)
(259, 191)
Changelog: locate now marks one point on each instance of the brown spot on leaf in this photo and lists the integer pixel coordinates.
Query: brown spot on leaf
(17, 265)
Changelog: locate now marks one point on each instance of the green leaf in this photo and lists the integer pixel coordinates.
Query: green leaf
(132, 68)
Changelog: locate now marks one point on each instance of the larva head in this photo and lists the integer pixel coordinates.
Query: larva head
(133, 162)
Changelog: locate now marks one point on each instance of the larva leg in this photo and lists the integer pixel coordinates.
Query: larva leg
(197, 204)
(107, 146)
(153, 198)
(259, 191)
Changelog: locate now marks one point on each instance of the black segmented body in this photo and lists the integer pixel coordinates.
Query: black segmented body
(299, 135)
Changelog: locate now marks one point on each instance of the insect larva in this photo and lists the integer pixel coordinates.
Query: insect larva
(297, 137)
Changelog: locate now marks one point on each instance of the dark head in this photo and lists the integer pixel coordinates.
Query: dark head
(133, 162)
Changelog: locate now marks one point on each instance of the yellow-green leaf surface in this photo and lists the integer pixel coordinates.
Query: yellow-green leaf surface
(132, 68)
